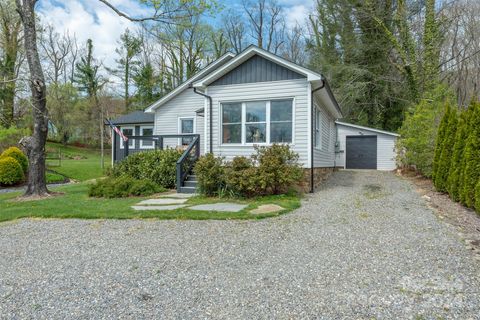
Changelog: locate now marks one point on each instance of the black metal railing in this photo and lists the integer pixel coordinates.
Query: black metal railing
(188, 158)
(187, 161)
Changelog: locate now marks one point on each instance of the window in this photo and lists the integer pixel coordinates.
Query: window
(318, 129)
(187, 125)
(128, 131)
(232, 123)
(257, 122)
(281, 121)
(146, 144)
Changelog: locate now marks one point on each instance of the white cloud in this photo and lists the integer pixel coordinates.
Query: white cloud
(89, 19)
(297, 13)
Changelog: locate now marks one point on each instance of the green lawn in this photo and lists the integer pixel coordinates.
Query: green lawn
(75, 203)
(77, 163)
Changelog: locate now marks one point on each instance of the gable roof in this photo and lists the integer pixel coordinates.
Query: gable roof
(209, 68)
(367, 129)
(134, 118)
(246, 55)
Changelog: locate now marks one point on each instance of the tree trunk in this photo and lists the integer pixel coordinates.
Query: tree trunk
(35, 144)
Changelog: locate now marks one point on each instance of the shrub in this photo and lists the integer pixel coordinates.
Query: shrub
(446, 150)
(455, 172)
(123, 187)
(18, 155)
(419, 131)
(439, 141)
(471, 173)
(278, 168)
(10, 171)
(477, 197)
(158, 166)
(210, 174)
(241, 177)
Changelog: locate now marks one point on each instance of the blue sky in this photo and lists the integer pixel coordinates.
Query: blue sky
(92, 19)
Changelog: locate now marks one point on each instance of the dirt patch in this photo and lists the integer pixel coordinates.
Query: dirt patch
(465, 220)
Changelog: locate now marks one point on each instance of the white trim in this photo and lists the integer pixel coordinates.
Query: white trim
(133, 140)
(243, 123)
(366, 128)
(179, 128)
(248, 53)
(318, 122)
(187, 83)
(309, 126)
(141, 141)
(113, 145)
(206, 123)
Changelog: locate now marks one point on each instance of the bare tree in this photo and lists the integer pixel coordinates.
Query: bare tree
(267, 23)
(56, 48)
(295, 45)
(235, 30)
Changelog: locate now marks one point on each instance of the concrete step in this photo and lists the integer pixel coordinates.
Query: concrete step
(187, 190)
(191, 177)
(188, 183)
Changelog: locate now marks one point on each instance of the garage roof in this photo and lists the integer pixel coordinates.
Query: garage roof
(367, 128)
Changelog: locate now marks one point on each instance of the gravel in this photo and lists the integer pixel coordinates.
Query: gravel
(365, 246)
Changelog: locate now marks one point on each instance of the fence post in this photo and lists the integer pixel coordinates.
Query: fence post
(161, 142)
(126, 149)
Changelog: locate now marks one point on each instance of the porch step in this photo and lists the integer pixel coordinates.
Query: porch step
(187, 190)
(190, 184)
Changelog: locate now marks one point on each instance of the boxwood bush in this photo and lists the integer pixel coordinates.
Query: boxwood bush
(10, 171)
(18, 155)
(123, 187)
(210, 174)
(158, 166)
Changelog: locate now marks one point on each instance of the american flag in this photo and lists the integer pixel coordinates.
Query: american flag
(118, 131)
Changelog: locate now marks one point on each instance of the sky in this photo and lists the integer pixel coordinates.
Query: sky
(91, 19)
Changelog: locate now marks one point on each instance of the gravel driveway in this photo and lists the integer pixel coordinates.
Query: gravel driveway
(366, 246)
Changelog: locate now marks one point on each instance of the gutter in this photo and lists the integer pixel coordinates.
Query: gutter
(210, 111)
(312, 116)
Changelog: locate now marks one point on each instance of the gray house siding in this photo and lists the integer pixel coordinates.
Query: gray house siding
(257, 69)
(290, 89)
(183, 105)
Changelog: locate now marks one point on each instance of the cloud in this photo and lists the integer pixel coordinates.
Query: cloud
(89, 19)
(297, 13)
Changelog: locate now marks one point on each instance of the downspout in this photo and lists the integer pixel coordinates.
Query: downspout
(210, 108)
(312, 116)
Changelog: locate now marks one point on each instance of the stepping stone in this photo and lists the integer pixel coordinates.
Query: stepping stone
(222, 206)
(172, 207)
(267, 208)
(163, 201)
(178, 195)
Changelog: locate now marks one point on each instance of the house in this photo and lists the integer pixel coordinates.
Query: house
(360, 147)
(239, 101)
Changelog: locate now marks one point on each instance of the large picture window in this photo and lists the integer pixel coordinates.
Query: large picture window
(257, 122)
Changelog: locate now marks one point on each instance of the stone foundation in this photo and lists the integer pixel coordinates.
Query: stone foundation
(319, 176)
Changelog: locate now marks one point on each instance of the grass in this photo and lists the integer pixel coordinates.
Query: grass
(75, 203)
(53, 177)
(77, 163)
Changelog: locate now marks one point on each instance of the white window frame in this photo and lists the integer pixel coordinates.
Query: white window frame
(133, 140)
(141, 140)
(318, 129)
(244, 123)
(179, 130)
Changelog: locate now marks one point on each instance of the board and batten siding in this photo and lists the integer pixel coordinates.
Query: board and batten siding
(325, 156)
(183, 105)
(386, 154)
(290, 89)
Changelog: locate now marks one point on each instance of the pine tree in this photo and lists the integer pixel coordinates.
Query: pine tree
(445, 159)
(471, 174)
(455, 171)
(442, 129)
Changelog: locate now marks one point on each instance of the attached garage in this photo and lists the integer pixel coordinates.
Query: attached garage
(360, 147)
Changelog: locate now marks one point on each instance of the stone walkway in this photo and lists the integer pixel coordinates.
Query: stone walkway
(174, 201)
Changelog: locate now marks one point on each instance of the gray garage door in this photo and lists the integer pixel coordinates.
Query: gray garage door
(361, 152)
